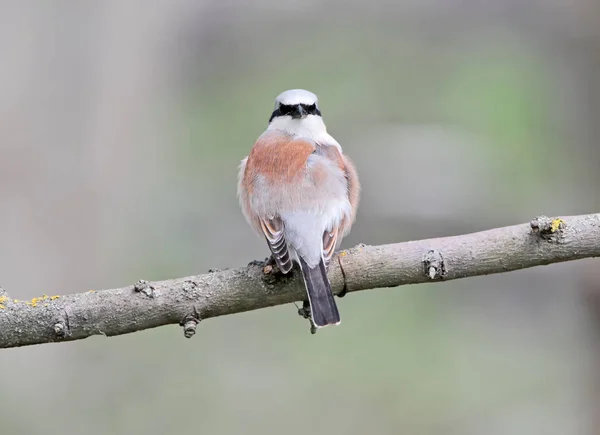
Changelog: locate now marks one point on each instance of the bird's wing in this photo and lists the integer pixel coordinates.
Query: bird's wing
(244, 198)
(273, 231)
(353, 189)
(330, 242)
(333, 238)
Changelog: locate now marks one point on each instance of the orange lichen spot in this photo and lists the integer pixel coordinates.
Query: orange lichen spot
(54, 297)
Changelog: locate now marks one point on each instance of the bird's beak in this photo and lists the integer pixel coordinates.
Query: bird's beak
(299, 112)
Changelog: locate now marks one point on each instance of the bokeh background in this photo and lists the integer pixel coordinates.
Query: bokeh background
(122, 124)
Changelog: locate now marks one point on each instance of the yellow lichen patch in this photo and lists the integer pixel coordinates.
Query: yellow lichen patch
(556, 223)
(44, 297)
(2, 307)
(91, 291)
(34, 301)
(16, 301)
(343, 254)
(54, 297)
(3, 299)
(45, 305)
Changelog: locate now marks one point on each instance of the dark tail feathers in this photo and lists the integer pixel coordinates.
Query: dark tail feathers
(323, 308)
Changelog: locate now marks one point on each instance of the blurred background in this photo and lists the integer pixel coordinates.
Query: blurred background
(122, 125)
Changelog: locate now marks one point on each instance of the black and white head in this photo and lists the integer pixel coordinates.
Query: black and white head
(296, 104)
(297, 113)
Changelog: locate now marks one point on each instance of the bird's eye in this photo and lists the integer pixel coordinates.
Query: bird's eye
(312, 109)
(285, 109)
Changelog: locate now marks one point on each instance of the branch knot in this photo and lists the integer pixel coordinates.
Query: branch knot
(61, 327)
(550, 229)
(190, 322)
(433, 264)
(143, 286)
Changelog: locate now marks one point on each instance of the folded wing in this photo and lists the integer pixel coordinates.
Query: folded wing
(273, 229)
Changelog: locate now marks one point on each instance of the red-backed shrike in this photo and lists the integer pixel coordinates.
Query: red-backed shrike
(299, 191)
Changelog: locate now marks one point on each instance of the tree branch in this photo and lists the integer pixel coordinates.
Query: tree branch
(188, 300)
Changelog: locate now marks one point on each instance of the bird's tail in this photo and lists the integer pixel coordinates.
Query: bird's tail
(322, 305)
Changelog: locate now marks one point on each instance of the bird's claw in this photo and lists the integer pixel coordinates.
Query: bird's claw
(304, 312)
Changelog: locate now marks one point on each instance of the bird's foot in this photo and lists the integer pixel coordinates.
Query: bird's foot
(305, 312)
(270, 267)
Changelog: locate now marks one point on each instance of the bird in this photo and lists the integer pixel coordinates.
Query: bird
(299, 191)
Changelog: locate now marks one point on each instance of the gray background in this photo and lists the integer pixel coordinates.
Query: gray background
(122, 124)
